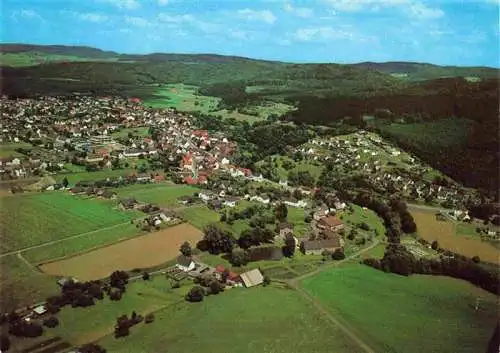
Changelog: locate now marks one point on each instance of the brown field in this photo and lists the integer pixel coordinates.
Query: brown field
(146, 251)
(429, 228)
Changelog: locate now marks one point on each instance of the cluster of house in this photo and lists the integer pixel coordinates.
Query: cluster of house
(196, 269)
(384, 166)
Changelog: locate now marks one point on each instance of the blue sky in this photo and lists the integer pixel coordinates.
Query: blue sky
(448, 32)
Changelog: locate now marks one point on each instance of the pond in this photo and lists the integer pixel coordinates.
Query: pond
(265, 253)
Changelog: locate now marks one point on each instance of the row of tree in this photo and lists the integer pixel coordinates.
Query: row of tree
(397, 259)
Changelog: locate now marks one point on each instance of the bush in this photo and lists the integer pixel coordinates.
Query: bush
(338, 254)
(51, 322)
(476, 259)
(196, 294)
(267, 281)
(435, 245)
(149, 318)
(91, 348)
(146, 276)
(115, 294)
(4, 343)
(22, 328)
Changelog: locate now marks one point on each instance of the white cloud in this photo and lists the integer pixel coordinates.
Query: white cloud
(423, 12)
(88, 16)
(26, 14)
(321, 33)
(299, 11)
(263, 15)
(162, 2)
(137, 21)
(124, 4)
(239, 35)
(165, 17)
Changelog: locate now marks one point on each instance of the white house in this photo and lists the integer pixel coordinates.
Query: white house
(224, 161)
(206, 196)
(296, 203)
(283, 182)
(264, 200)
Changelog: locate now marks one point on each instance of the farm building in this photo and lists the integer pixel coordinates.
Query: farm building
(331, 223)
(185, 263)
(284, 229)
(40, 310)
(316, 247)
(232, 276)
(65, 280)
(252, 278)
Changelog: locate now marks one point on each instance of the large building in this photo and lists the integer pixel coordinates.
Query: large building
(100, 140)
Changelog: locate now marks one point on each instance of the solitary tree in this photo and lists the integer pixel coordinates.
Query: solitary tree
(196, 294)
(239, 257)
(281, 212)
(289, 247)
(186, 249)
(435, 245)
(65, 182)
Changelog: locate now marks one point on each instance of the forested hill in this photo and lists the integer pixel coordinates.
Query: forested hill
(424, 71)
(28, 55)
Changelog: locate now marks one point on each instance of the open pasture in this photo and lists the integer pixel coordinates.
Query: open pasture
(142, 252)
(33, 219)
(407, 314)
(159, 194)
(21, 284)
(269, 319)
(445, 232)
(183, 98)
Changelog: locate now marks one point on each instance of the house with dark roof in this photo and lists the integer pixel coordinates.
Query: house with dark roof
(284, 228)
(128, 203)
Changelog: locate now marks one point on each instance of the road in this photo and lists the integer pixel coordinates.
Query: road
(295, 283)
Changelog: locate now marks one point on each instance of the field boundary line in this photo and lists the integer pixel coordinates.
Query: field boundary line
(34, 268)
(76, 236)
(142, 233)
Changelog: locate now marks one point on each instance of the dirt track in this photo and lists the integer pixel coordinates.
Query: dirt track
(141, 252)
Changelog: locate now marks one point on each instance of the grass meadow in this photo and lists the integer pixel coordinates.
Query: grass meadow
(269, 319)
(77, 245)
(159, 194)
(80, 325)
(8, 150)
(28, 220)
(407, 314)
(21, 284)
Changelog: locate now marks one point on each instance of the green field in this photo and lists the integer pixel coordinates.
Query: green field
(200, 216)
(80, 325)
(73, 246)
(142, 131)
(21, 284)
(296, 217)
(407, 314)
(159, 194)
(183, 98)
(8, 150)
(303, 166)
(35, 58)
(267, 319)
(440, 133)
(92, 176)
(28, 220)
(360, 215)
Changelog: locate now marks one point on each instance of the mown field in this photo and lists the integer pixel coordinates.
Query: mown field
(360, 215)
(159, 194)
(269, 319)
(20, 284)
(77, 245)
(141, 252)
(142, 131)
(439, 133)
(82, 175)
(28, 220)
(185, 98)
(451, 237)
(8, 150)
(407, 314)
